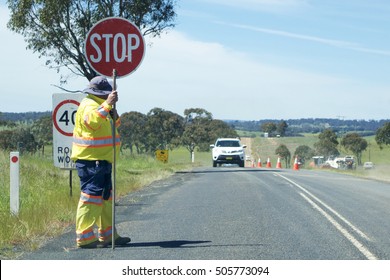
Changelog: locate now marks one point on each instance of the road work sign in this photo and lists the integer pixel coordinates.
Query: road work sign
(114, 43)
(65, 106)
(162, 155)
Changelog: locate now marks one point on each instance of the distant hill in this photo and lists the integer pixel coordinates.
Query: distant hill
(23, 117)
(314, 125)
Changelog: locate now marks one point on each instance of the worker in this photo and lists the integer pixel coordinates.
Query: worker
(92, 152)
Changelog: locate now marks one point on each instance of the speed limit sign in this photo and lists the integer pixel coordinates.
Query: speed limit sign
(64, 112)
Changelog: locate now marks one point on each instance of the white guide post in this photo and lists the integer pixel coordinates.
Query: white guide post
(14, 182)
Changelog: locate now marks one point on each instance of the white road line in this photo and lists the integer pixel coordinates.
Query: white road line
(354, 228)
(343, 231)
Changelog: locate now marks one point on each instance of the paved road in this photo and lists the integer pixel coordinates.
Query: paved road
(247, 213)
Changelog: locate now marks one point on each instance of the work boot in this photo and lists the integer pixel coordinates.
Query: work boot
(93, 245)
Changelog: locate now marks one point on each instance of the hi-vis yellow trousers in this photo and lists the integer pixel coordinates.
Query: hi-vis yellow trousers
(91, 211)
(95, 204)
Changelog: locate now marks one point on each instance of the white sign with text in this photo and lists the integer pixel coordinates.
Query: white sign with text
(65, 106)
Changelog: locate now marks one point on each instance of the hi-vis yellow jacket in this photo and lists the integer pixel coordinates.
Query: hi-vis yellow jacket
(92, 134)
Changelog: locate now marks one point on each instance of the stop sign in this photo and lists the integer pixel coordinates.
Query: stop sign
(114, 43)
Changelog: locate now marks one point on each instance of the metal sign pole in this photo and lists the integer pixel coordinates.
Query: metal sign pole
(114, 73)
(70, 182)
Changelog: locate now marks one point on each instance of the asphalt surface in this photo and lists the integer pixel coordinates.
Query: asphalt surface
(231, 213)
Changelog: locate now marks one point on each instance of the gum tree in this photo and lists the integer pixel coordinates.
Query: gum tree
(283, 152)
(382, 136)
(327, 144)
(356, 144)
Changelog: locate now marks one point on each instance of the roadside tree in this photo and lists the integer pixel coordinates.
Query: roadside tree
(281, 128)
(268, 127)
(356, 144)
(382, 136)
(201, 130)
(133, 132)
(283, 152)
(7, 142)
(304, 153)
(196, 129)
(163, 129)
(327, 144)
(42, 129)
(21, 139)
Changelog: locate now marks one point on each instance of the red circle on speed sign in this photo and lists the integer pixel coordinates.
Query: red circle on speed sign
(62, 114)
(114, 43)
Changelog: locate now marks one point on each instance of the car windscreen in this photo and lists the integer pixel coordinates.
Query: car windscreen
(226, 143)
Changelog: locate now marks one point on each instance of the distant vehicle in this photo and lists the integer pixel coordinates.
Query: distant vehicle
(228, 151)
(368, 165)
(347, 162)
(248, 157)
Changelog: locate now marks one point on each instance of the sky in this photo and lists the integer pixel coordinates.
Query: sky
(241, 60)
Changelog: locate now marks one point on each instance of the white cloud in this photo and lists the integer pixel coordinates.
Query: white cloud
(320, 40)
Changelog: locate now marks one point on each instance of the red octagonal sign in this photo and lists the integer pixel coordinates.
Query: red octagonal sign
(114, 43)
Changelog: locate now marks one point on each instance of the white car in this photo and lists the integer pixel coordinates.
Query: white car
(368, 165)
(228, 151)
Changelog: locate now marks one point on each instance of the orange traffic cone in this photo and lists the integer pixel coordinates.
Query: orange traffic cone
(253, 163)
(278, 164)
(296, 165)
(268, 163)
(259, 163)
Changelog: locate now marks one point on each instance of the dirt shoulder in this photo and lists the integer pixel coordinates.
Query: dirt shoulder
(248, 151)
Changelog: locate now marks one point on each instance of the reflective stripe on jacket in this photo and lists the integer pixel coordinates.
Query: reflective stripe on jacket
(92, 134)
